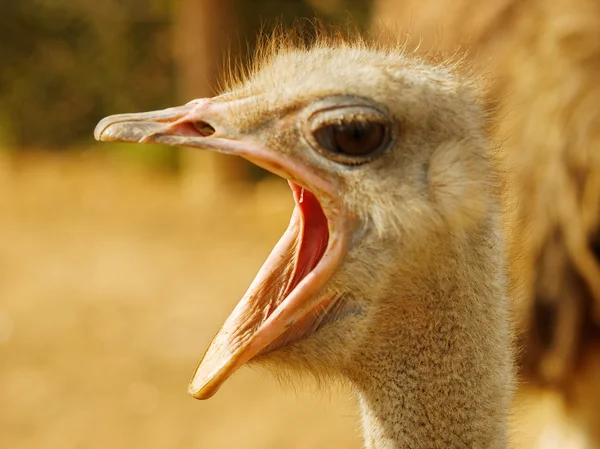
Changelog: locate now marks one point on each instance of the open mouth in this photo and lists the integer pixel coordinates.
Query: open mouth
(266, 318)
(286, 302)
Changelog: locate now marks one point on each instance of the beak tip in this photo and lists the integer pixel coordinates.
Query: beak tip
(98, 134)
(199, 391)
(100, 128)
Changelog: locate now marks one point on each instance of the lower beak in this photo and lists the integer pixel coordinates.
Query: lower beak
(286, 302)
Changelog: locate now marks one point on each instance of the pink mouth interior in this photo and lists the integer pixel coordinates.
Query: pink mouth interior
(314, 234)
(309, 247)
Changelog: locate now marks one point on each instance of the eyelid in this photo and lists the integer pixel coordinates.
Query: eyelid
(348, 114)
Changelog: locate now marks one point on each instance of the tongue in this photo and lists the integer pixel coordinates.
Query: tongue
(314, 234)
(296, 254)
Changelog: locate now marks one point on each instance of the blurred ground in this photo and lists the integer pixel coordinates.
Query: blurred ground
(113, 281)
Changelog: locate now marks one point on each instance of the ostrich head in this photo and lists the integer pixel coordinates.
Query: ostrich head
(384, 156)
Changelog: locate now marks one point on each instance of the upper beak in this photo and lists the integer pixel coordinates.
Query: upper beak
(207, 124)
(201, 123)
(142, 126)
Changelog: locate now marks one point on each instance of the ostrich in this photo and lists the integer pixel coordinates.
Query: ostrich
(391, 274)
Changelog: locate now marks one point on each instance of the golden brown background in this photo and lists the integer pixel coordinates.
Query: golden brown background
(118, 263)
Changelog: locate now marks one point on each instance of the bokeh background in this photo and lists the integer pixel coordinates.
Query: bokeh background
(119, 262)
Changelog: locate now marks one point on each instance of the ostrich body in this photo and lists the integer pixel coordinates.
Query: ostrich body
(391, 273)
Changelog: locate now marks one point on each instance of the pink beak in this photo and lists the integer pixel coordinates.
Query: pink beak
(288, 298)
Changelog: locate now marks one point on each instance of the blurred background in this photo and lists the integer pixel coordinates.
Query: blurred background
(116, 268)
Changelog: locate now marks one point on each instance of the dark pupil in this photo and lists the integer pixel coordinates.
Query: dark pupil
(354, 139)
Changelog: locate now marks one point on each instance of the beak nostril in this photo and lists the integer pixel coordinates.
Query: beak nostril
(204, 128)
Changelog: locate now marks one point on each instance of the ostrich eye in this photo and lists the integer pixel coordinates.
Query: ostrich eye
(349, 134)
(353, 138)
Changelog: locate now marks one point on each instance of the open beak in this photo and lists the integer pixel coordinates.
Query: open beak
(286, 302)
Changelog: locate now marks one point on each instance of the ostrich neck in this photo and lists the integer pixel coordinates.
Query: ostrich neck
(439, 375)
